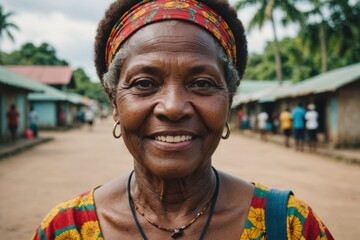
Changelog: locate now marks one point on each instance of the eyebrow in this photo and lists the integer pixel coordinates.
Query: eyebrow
(156, 70)
(146, 69)
(199, 69)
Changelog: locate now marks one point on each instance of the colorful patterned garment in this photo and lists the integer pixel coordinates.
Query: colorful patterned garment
(76, 220)
(302, 223)
(72, 220)
(150, 11)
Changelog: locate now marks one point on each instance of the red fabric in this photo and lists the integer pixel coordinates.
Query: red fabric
(147, 12)
(13, 117)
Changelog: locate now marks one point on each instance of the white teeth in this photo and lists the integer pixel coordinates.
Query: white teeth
(173, 139)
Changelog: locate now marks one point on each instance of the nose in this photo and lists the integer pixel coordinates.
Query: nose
(174, 104)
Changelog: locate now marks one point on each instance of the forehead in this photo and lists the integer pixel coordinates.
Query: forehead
(173, 37)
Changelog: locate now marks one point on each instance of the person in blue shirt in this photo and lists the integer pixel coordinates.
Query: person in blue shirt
(298, 119)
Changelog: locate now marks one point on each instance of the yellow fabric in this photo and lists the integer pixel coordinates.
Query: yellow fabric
(285, 120)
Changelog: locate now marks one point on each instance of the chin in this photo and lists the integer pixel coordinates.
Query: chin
(173, 169)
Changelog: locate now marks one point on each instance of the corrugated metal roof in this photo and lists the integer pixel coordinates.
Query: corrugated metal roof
(80, 99)
(75, 98)
(251, 86)
(16, 80)
(326, 82)
(53, 75)
(43, 91)
(273, 95)
(251, 90)
(48, 94)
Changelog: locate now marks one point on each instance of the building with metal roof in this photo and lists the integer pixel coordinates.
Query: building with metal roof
(14, 89)
(59, 77)
(326, 82)
(11, 79)
(48, 101)
(253, 90)
(335, 93)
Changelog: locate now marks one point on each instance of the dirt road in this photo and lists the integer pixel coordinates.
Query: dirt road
(33, 182)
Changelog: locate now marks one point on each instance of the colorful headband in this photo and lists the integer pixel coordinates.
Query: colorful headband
(150, 11)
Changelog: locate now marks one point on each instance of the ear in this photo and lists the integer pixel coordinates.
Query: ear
(115, 112)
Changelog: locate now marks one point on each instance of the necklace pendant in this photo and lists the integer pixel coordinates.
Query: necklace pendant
(177, 233)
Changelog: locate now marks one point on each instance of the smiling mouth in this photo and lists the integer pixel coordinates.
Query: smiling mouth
(173, 139)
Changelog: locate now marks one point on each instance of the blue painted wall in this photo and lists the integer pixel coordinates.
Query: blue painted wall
(2, 115)
(21, 106)
(333, 115)
(9, 96)
(47, 113)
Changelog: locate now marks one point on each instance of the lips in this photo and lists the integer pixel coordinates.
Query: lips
(173, 139)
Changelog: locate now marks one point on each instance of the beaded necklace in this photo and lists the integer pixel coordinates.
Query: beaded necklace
(176, 232)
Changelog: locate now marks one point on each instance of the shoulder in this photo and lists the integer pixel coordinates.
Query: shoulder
(111, 193)
(235, 194)
(73, 219)
(302, 222)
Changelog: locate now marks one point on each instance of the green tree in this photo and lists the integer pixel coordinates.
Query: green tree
(85, 87)
(334, 25)
(29, 54)
(266, 13)
(314, 31)
(6, 26)
(297, 63)
(344, 38)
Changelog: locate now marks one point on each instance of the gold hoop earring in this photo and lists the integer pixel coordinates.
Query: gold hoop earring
(227, 131)
(114, 130)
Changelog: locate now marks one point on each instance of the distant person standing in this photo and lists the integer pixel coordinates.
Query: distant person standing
(13, 121)
(312, 125)
(298, 118)
(240, 114)
(252, 120)
(285, 124)
(80, 118)
(61, 118)
(89, 118)
(104, 112)
(33, 121)
(275, 122)
(245, 121)
(262, 120)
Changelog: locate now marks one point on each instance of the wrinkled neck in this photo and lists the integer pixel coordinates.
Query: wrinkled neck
(182, 196)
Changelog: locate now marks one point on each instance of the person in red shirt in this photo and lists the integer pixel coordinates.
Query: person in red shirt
(13, 121)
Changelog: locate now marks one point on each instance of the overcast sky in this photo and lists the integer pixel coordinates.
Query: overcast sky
(70, 27)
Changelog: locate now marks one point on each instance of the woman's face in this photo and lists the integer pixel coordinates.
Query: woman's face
(172, 100)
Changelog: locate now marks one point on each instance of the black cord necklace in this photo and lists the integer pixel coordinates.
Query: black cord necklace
(177, 232)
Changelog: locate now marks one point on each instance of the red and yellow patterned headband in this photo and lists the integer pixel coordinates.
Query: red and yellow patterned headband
(150, 11)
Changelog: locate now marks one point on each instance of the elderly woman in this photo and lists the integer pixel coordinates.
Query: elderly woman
(170, 69)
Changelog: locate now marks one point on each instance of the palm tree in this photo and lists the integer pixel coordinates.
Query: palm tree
(5, 25)
(331, 23)
(266, 13)
(345, 35)
(314, 42)
(316, 12)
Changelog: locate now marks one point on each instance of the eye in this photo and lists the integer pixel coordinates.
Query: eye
(143, 87)
(203, 87)
(202, 83)
(144, 84)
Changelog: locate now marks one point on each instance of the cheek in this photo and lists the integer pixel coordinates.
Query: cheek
(132, 112)
(214, 112)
